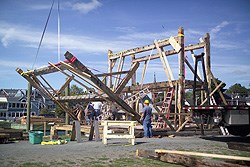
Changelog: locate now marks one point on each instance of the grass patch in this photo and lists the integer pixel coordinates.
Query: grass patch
(132, 162)
(69, 162)
(33, 164)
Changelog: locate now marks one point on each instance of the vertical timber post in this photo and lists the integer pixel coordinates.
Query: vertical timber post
(207, 59)
(28, 107)
(133, 83)
(181, 75)
(110, 66)
(67, 93)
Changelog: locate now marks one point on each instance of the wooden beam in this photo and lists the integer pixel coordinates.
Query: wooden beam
(111, 74)
(229, 157)
(156, 87)
(184, 123)
(164, 63)
(68, 80)
(173, 157)
(181, 83)
(169, 52)
(125, 80)
(211, 94)
(216, 84)
(113, 97)
(129, 52)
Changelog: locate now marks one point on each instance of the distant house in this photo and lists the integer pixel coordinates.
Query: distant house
(13, 103)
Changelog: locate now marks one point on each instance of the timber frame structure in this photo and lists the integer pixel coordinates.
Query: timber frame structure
(116, 89)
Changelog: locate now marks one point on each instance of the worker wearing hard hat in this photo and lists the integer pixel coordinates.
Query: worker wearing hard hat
(146, 119)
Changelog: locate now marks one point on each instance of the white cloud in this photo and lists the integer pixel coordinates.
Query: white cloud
(39, 7)
(218, 28)
(29, 37)
(15, 64)
(86, 7)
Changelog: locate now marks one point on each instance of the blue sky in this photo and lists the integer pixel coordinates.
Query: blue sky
(90, 27)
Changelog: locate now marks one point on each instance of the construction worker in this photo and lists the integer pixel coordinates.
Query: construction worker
(146, 119)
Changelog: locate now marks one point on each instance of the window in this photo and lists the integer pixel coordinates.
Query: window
(18, 105)
(13, 105)
(3, 105)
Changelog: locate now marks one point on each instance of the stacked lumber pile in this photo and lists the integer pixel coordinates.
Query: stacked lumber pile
(194, 159)
(41, 120)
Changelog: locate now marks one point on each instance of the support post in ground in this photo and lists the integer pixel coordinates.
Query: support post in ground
(67, 93)
(207, 59)
(181, 83)
(28, 107)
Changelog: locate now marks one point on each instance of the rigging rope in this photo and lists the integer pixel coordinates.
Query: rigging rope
(58, 31)
(40, 43)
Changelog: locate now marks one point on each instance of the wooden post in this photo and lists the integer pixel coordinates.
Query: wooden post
(110, 67)
(78, 131)
(28, 107)
(181, 75)
(67, 120)
(97, 133)
(207, 59)
(133, 79)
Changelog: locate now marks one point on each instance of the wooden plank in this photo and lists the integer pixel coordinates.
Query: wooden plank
(76, 63)
(125, 80)
(229, 157)
(174, 44)
(164, 63)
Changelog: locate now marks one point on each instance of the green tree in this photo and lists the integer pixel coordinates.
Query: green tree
(238, 88)
(75, 90)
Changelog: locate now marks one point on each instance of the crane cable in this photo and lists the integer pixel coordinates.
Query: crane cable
(40, 43)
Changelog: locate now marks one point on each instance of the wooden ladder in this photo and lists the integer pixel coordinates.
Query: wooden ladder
(167, 102)
(165, 109)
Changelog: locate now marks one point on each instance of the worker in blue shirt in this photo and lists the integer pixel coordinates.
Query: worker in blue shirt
(146, 119)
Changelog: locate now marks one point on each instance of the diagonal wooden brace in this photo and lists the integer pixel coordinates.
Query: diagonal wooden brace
(113, 97)
(127, 78)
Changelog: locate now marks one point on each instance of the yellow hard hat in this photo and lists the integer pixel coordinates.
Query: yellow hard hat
(146, 101)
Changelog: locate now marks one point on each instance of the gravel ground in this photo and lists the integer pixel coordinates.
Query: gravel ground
(20, 152)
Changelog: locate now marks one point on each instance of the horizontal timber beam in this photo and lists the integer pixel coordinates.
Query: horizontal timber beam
(162, 43)
(169, 52)
(156, 87)
(110, 74)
